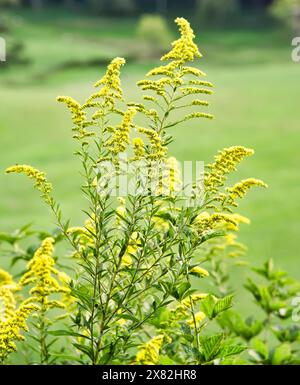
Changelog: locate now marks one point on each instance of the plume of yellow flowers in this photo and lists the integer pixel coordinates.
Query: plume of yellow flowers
(7, 299)
(138, 148)
(197, 319)
(132, 249)
(158, 150)
(83, 235)
(78, 115)
(12, 320)
(240, 189)
(148, 353)
(39, 177)
(205, 221)
(41, 275)
(170, 177)
(184, 49)
(120, 138)
(110, 83)
(199, 271)
(10, 329)
(225, 162)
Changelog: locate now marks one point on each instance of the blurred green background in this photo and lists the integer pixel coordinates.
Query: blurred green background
(62, 47)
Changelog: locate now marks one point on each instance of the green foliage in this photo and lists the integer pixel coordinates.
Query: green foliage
(217, 12)
(288, 12)
(115, 7)
(275, 299)
(154, 30)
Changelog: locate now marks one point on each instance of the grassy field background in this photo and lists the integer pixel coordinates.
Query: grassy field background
(256, 104)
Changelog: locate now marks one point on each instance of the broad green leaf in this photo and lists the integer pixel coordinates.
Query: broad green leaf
(282, 354)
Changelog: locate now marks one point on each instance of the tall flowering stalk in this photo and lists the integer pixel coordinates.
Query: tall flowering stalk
(44, 279)
(12, 318)
(138, 256)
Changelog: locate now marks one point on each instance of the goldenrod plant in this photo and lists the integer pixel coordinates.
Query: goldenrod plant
(138, 261)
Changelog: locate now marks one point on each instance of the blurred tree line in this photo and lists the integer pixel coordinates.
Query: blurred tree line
(208, 12)
(128, 7)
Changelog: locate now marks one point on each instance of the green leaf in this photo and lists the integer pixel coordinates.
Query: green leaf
(85, 349)
(282, 354)
(127, 316)
(261, 348)
(67, 333)
(222, 305)
(211, 346)
(231, 350)
(208, 304)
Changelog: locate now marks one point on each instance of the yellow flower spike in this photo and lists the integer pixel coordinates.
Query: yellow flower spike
(148, 353)
(120, 211)
(192, 71)
(39, 177)
(111, 79)
(240, 189)
(240, 218)
(120, 138)
(78, 115)
(161, 224)
(11, 327)
(170, 177)
(5, 278)
(199, 271)
(7, 303)
(121, 321)
(158, 150)
(138, 148)
(193, 298)
(40, 273)
(199, 317)
(184, 49)
(225, 162)
(132, 249)
(206, 221)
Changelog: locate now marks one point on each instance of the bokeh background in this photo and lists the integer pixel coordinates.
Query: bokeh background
(58, 47)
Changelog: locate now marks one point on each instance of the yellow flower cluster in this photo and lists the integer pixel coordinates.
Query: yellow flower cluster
(7, 299)
(132, 248)
(193, 298)
(158, 150)
(83, 235)
(148, 353)
(240, 189)
(11, 319)
(111, 83)
(198, 318)
(169, 178)
(39, 177)
(10, 329)
(196, 115)
(40, 271)
(78, 115)
(225, 162)
(184, 49)
(205, 221)
(183, 310)
(120, 138)
(199, 271)
(161, 224)
(5, 278)
(138, 148)
(120, 211)
(172, 79)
